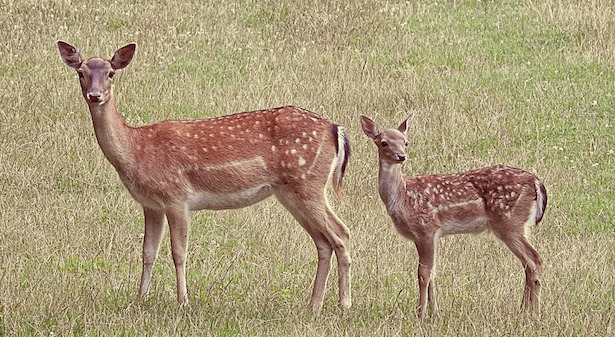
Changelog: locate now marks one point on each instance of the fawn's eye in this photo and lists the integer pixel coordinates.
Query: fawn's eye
(384, 143)
(406, 144)
(80, 73)
(111, 74)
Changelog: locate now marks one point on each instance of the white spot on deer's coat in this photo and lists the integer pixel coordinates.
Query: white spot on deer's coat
(305, 146)
(301, 161)
(272, 148)
(297, 140)
(293, 151)
(303, 176)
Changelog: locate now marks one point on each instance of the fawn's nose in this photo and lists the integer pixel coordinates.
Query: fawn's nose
(95, 97)
(401, 157)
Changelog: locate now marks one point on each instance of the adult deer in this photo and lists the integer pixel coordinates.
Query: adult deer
(504, 200)
(174, 167)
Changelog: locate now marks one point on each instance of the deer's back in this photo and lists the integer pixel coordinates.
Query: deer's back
(251, 151)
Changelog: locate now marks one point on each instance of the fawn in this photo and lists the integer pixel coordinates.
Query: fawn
(504, 200)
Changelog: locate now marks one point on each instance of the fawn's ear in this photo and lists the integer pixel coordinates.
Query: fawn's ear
(123, 56)
(369, 127)
(69, 54)
(405, 125)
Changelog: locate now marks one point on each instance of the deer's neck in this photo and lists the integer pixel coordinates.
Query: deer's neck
(113, 134)
(391, 184)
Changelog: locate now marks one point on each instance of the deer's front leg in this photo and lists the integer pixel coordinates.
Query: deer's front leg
(154, 227)
(426, 250)
(178, 218)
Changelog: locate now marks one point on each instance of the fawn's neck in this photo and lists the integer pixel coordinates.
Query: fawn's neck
(113, 134)
(391, 184)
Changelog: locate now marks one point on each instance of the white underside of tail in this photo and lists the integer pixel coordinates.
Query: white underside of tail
(531, 220)
(341, 152)
(539, 201)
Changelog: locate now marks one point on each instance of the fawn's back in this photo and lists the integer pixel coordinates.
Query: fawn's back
(469, 202)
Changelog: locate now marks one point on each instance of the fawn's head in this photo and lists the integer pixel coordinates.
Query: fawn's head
(391, 143)
(95, 73)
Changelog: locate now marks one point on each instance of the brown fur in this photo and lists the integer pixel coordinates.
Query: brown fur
(501, 199)
(174, 167)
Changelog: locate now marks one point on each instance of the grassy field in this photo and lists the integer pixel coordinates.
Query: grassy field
(524, 83)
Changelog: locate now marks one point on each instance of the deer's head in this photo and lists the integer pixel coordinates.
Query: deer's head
(95, 73)
(391, 143)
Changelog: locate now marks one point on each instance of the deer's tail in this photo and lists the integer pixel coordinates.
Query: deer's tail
(343, 154)
(541, 200)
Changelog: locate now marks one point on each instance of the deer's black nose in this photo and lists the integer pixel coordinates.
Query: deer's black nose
(94, 96)
(401, 157)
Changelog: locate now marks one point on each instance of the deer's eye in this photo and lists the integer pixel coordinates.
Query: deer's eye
(80, 73)
(384, 143)
(111, 74)
(406, 144)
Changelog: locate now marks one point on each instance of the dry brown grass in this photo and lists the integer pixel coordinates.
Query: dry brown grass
(523, 83)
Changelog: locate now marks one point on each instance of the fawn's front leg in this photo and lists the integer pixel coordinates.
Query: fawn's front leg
(426, 250)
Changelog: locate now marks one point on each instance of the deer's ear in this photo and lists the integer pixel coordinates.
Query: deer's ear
(123, 56)
(70, 55)
(369, 127)
(405, 125)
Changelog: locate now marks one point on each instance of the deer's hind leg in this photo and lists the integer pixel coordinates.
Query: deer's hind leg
(532, 264)
(516, 240)
(329, 234)
(513, 230)
(339, 238)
